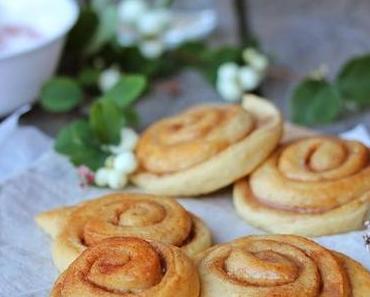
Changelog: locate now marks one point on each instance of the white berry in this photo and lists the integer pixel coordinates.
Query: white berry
(228, 71)
(108, 79)
(117, 180)
(249, 78)
(255, 59)
(129, 139)
(151, 49)
(102, 176)
(129, 11)
(125, 162)
(230, 90)
(109, 162)
(153, 22)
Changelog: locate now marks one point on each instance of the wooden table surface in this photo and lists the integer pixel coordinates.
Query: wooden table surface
(300, 35)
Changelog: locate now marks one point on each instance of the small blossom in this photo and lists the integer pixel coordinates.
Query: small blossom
(144, 26)
(255, 59)
(153, 22)
(233, 80)
(117, 179)
(127, 36)
(130, 10)
(121, 163)
(108, 79)
(151, 49)
(227, 82)
(125, 162)
(109, 162)
(86, 175)
(230, 90)
(129, 139)
(102, 176)
(228, 71)
(249, 78)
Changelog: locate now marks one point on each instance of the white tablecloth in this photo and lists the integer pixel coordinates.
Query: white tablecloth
(34, 178)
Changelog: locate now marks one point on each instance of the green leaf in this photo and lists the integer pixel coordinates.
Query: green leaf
(106, 121)
(131, 117)
(131, 60)
(60, 95)
(315, 102)
(78, 142)
(127, 90)
(190, 54)
(89, 77)
(106, 29)
(353, 80)
(224, 54)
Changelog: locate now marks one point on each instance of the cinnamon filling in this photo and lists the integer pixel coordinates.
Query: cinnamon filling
(190, 237)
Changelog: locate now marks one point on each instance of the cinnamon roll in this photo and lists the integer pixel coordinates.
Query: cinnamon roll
(164, 219)
(279, 265)
(129, 267)
(313, 186)
(207, 147)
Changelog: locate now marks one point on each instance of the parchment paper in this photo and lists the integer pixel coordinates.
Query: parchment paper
(26, 267)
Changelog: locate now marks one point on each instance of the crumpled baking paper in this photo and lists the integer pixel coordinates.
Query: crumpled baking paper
(26, 267)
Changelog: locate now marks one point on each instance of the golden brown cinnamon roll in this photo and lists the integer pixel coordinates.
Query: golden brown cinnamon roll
(129, 267)
(279, 265)
(206, 147)
(312, 186)
(158, 218)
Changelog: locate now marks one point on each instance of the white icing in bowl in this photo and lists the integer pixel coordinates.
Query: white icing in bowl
(28, 24)
(33, 35)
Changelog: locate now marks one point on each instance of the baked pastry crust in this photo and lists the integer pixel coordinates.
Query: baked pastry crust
(313, 186)
(125, 266)
(206, 148)
(279, 265)
(122, 214)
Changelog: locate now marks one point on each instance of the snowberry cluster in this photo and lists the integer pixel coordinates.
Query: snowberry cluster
(233, 80)
(143, 26)
(120, 164)
(109, 78)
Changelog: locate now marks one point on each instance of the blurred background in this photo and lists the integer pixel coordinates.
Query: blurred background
(299, 35)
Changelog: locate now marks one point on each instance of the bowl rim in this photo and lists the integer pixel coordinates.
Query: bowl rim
(75, 11)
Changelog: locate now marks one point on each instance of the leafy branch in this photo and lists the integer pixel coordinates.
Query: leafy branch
(83, 140)
(92, 48)
(319, 101)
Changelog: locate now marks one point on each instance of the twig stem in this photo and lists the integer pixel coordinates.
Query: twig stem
(241, 9)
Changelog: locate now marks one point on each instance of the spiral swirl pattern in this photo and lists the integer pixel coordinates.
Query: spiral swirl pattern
(207, 147)
(129, 267)
(143, 216)
(279, 265)
(320, 179)
(182, 141)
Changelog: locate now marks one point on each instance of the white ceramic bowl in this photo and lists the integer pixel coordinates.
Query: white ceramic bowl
(24, 71)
